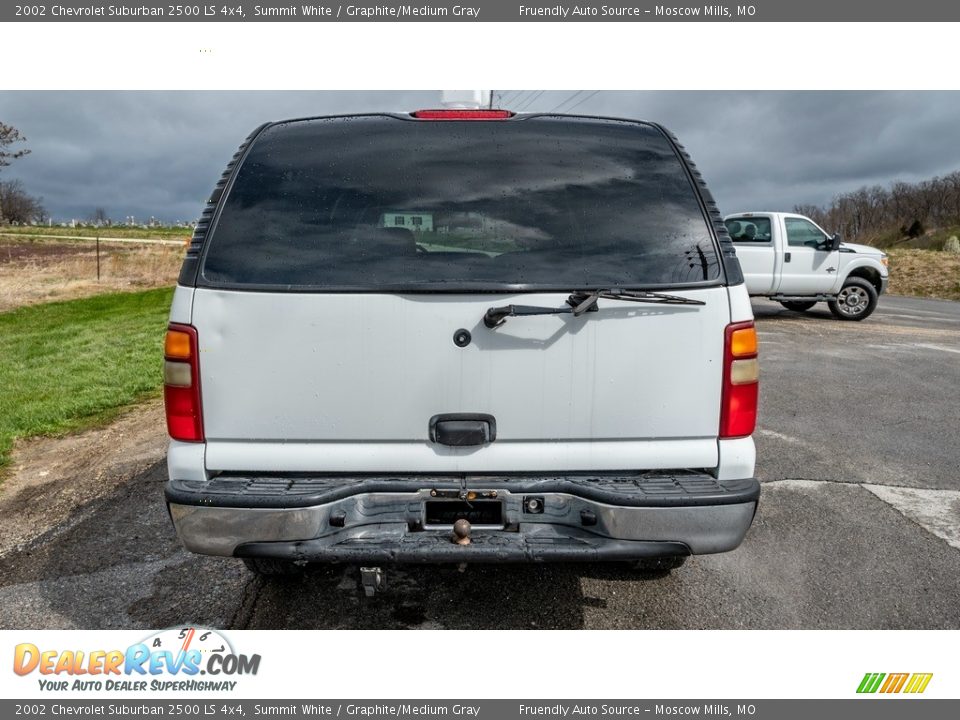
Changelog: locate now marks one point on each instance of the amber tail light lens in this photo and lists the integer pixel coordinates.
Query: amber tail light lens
(181, 383)
(741, 381)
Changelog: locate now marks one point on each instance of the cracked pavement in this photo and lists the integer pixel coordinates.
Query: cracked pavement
(858, 526)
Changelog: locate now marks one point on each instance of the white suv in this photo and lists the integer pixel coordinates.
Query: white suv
(461, 336)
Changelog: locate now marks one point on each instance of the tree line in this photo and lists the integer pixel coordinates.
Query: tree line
(905, 208)
(868, 213)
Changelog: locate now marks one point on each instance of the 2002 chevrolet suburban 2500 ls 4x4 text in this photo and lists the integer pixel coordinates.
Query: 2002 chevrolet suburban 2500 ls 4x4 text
(461, 336)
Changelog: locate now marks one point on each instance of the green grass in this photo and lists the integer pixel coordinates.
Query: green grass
(893, 239)
(70, 365)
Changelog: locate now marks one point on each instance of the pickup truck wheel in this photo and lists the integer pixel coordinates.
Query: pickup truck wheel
(797, 306)
(658, 564)
(856, 300)
(271, 567)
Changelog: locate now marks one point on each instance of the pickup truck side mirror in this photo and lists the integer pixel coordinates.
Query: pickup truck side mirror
(834, 242)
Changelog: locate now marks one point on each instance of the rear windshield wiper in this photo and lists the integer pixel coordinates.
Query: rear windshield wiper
(583, 301)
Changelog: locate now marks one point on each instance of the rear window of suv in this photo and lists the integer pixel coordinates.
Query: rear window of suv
(379, 203)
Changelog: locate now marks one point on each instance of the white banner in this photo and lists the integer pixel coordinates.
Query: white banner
(192, 661)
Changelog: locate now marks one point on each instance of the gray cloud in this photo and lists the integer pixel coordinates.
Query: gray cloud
(159, 153)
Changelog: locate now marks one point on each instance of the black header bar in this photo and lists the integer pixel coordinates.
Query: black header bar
(485, 11)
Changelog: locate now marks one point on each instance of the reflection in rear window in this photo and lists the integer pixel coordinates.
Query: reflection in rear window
(379, 203)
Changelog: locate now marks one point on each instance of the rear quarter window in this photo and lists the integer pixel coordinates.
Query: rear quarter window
(378, 203)
(750, 229)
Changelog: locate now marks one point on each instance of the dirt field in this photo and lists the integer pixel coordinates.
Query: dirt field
(35, 271)
(117, 231)
(925, 273)
(52, 477)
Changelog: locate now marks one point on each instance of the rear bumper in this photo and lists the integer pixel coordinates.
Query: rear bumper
(382, 520)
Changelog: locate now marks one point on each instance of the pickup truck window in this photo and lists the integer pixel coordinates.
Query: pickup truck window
(377, 203)
(803, 233)
(749, 230)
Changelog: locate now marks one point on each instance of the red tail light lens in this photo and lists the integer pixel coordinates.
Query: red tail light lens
(462, 114)
(741, 381)
(181, 383)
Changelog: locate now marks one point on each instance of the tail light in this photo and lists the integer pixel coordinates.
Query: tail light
(463, 114)
(181, 383)
(741, 381)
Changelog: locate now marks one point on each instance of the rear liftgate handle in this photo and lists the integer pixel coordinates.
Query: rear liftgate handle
(463, 429)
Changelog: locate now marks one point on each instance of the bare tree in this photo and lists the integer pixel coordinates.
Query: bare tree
(953, 180)
(40, 214)
(18, 206)
(8, 136)
(99, 217)
(811, 211)
(903, 210)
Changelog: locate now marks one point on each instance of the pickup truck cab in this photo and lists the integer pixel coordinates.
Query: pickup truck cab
(789, 258)
(460, 336)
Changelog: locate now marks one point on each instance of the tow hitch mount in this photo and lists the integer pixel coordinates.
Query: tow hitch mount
(373, 580)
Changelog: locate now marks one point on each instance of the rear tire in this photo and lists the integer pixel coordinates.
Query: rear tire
(856, 300)
(798, 306)
(658, 564)
(273, 568)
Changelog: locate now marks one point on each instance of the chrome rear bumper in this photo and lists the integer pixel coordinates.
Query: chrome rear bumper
(366, 519)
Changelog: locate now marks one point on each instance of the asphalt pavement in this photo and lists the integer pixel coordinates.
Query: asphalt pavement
(858, 525)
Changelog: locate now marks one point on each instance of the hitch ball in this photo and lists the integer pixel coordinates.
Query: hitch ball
(461, 532)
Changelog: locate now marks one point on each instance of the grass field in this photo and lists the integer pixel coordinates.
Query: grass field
(894, 240)
(165, 233)
(37, 271)
(68, 365)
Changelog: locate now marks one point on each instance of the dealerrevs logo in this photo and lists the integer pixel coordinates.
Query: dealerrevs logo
(151, 664)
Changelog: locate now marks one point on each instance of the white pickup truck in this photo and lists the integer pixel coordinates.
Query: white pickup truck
(789, 258)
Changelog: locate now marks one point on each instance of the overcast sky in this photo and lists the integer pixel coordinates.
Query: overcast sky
(160, 153)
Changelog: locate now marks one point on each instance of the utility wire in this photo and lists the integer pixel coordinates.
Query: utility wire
(569, 98)
(563, 102)
(524, 99)
(520, 97)
(531, 100)
(504, 95)
(583, 100)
